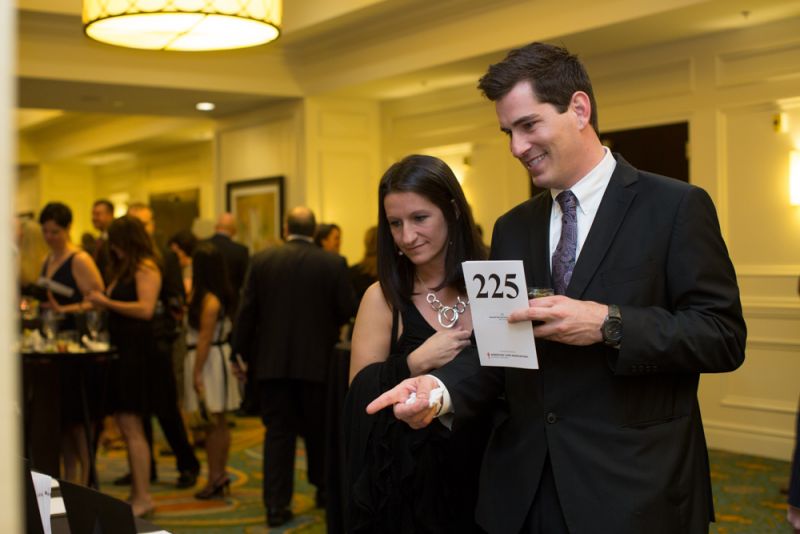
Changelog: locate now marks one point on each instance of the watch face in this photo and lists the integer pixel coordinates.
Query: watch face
(612, 330)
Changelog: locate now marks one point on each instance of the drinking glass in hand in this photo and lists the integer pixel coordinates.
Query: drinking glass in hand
(536, 292)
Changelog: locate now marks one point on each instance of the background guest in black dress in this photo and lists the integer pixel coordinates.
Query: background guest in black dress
(131, 302)
(166, 321)
(75, 270)
(405, 480)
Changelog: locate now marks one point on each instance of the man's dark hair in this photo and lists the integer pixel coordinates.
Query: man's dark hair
(57, 212)
(301, 223)
(106, 203)
(432, 179)
(554, 74)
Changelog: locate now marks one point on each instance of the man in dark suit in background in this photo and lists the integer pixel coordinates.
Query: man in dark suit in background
(296, 298)
(235, 254)
(606, 437)
(102, 217)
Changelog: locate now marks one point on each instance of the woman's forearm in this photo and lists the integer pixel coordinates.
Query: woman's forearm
(135, 309)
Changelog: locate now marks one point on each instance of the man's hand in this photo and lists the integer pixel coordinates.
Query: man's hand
(418, 414)
(566, 320)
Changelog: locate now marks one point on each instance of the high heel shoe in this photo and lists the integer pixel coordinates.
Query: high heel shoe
(216, 490)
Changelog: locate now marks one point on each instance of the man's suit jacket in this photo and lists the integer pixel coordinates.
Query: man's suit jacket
(622, 428)
(296, 298)
(236, 258)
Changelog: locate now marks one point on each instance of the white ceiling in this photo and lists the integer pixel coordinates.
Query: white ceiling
(381, 49)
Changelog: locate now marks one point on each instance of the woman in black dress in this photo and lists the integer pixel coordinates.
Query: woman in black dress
(131, 301)
(77, 275)
(414, 319)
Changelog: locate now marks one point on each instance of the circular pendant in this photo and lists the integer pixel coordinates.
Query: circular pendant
(447, 316)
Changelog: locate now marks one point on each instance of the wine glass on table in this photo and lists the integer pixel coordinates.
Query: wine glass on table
(49, 326)
(94, 323)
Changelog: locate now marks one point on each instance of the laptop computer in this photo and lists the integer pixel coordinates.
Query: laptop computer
(92, 512)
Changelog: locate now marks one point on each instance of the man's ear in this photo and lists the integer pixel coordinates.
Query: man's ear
(581, 106)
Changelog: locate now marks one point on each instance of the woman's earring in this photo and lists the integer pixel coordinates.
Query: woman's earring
(399, 252)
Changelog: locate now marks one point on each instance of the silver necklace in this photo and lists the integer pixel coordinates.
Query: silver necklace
(447, 315)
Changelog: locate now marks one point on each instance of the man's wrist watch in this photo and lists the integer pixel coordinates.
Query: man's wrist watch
(612, 327)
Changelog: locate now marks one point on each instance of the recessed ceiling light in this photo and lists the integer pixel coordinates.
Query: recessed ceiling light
(205, 106)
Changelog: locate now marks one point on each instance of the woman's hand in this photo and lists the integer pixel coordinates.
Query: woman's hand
(437, 350)
(53, 303)
(98, 299)
(198, 381)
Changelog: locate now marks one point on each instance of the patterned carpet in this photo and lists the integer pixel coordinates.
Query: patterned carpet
(746, 492)
(240, 513)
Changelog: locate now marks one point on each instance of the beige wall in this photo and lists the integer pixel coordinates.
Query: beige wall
(342, 169)
(728, 87)
(10, 424)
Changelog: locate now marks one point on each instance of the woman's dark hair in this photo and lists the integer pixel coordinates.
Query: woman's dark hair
(127, 233)
(58, 213)
(209, 275)
(431, 178)
(554, 74)
(323, 231)
(184, 240)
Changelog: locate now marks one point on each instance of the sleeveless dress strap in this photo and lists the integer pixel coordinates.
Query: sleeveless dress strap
(395, 329)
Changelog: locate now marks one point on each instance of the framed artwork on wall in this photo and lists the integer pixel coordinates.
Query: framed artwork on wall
(257, 207)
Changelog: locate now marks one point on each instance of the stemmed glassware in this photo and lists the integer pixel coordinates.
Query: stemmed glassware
(49, 325)
(94, 323)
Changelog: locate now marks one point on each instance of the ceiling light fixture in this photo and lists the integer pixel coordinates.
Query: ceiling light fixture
(184, 25)
(205, 106)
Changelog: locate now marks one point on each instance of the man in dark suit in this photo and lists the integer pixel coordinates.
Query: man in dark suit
(606, 437)
(102, 217)
(296, 298)
(235, 254)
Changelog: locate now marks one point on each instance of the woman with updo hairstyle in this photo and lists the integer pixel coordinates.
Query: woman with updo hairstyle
(416, 318)
(209, 379)
(135, 282)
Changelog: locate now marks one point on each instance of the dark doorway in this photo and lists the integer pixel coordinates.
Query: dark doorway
(174, 211)
(659, 149)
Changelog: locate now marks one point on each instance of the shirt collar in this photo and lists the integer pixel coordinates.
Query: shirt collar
(298, 237)
(589, 189)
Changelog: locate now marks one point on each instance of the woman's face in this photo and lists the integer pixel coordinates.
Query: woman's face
(418, 227)
(333, 242)
(55, 236)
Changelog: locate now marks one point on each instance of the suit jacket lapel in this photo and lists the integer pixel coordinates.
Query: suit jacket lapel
(616, 201)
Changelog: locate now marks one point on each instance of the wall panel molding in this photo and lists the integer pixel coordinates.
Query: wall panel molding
(757, 65)
(761, 405)
(670, 78)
